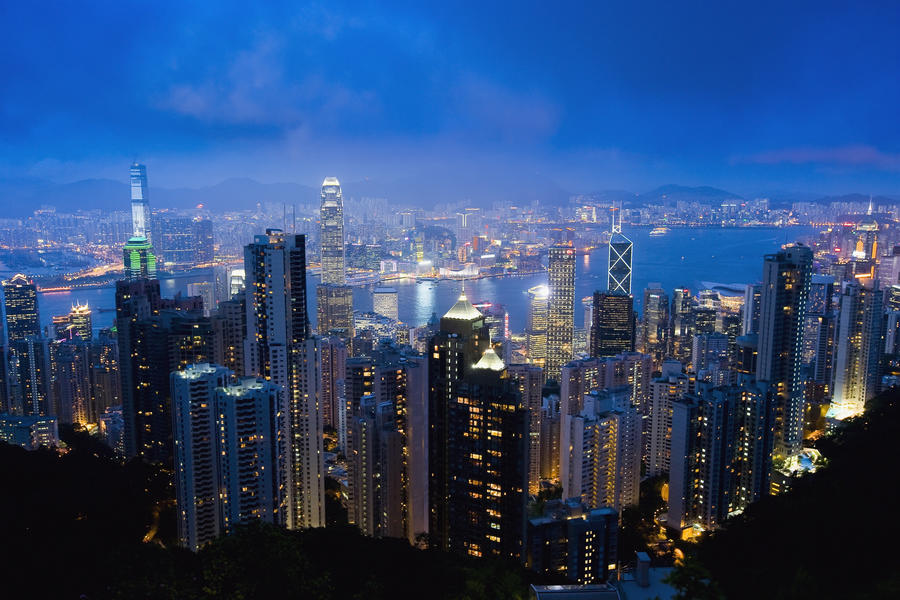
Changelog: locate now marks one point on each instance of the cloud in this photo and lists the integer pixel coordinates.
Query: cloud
(258, 87)
(847, 156)
(509, 115)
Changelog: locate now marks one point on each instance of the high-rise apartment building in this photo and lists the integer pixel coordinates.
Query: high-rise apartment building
(231, 453)
(722, 440)
(561, 308)
(73, 381)
(31, 377)
(333, 354)
(573, 540)
(278, 348)
(386, 413)
(859, 347)
(785, 290)
(612, 331)
(331, 236)
(140, 202)
(530, 379)
(21, 308)
(671, 386)
(601, 464)
(156, 337)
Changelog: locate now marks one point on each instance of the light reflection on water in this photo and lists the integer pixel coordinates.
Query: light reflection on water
(683, 257)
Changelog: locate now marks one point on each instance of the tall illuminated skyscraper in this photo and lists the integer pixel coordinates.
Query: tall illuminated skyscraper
(859, 347)
(20, 303)
(620, 251)
(331, 238)
(561, 308)
(612, 331)
(785, 291)
(140, 202)
(139, 259)
(278, 348)
(536, 332)
(231, 453)
(478, 442)
(655, 327)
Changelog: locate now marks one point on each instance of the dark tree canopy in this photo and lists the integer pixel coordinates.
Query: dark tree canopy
(830, 536)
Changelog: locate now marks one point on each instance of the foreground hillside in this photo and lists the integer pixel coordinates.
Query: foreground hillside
(833, 535)
(73, 525)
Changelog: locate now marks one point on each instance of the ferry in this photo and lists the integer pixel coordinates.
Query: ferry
(659, 231)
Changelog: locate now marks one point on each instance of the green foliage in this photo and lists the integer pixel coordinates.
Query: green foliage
(693, 582)
(825, 537)
(638, 522)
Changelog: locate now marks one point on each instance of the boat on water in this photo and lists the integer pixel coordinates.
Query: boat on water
(659, 231)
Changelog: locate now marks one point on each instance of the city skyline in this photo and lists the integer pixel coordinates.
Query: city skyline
(470, 362)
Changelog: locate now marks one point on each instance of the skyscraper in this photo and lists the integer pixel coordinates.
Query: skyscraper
(139, 259)
(722, 440)
(278, 348)
(76, 323)
(620, 255)
(384, 302)
(478, 442)
(20, 304)
(331, 237)
(152, 345)
(536, 331)
(602, 462)
(786, 280)
(531, 379)
(612, 331)
(655, 326)
(561, 308)
(671, 386)
(682, 333)
(860, 344)
(231, 453)
(334, 310)
(140, 203)
(31, 374)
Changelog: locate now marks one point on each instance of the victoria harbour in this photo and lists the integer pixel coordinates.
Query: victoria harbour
(685, 257)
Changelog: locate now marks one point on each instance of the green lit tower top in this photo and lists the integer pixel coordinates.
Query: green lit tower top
(140, 262)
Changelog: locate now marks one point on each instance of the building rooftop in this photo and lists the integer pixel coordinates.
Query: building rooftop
(331, 181)
(463, 310)
(490, 360)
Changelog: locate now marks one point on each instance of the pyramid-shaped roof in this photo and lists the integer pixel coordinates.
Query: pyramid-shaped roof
(490, 360)
(463, 310)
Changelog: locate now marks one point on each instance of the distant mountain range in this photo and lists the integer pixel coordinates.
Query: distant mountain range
(21, 197)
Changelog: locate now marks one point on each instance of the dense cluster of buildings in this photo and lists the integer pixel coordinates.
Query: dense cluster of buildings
(441, 434)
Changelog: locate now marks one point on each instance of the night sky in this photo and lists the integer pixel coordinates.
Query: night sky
(751, 97)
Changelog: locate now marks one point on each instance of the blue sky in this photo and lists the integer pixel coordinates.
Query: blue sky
(748, 96)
